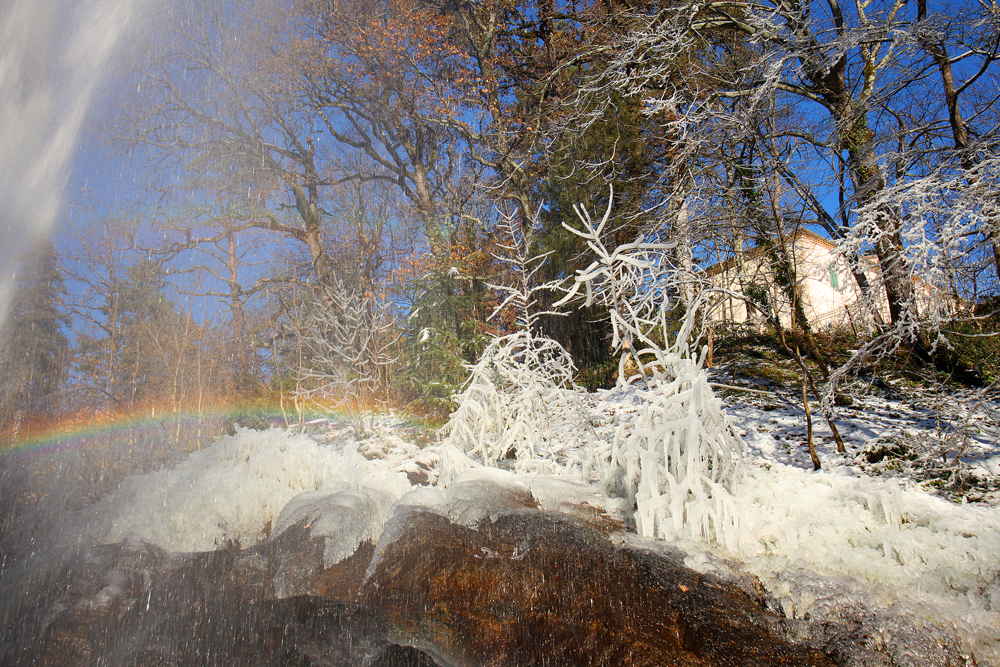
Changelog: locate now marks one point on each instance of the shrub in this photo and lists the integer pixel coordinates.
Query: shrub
(517, 405)
(972, 352)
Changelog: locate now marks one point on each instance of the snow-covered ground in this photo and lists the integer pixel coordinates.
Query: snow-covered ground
(888, 527)
(824, 544)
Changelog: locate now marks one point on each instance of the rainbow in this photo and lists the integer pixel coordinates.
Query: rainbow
(129, 444)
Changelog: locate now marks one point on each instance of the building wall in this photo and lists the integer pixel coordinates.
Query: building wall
(831, 298)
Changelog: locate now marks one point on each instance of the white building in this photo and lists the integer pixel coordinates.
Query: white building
(831, 297)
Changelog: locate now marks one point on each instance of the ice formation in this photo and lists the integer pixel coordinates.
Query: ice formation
(877, 529)
(343, 518)
(679, 458)
(516, 406)
(843, 547)
(230, 490)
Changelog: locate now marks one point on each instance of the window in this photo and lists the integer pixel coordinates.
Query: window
(834, 278)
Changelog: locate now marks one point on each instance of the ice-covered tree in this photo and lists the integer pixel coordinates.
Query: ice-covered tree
(678, 458)
(519, 402)
(948, 218)
(851, 113)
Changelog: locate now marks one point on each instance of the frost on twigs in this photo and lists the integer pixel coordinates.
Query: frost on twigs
(947, 222)
(347, 343)
(520, 402)
(679, 458)
(521, 295)
(518, 405)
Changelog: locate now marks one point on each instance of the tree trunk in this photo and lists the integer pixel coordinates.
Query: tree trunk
(868, 182)
(959, 129)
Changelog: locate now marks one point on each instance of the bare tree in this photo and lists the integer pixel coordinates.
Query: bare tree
(97, 263)
(212, 253)
(348, 344)
(216, 100)
(376, 75)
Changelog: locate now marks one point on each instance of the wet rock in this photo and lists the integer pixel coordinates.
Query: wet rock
(323, 541)
(534, 587)
(716, 620)
(296, 558)
(134, 605)
(93, 592)
(300, 631)
(202, 607)
(342, 580)
(474, 575)
(418, 477)
(319, 632)
(210, 611)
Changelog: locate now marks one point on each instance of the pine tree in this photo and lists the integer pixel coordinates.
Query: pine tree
(34, 353)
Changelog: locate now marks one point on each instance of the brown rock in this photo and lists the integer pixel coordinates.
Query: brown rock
(542, 588)
(342, 580)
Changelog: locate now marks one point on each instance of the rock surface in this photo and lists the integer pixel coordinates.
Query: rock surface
(535, 587)
(515, 585)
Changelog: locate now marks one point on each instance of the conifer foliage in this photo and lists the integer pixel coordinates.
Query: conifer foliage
(34, 352)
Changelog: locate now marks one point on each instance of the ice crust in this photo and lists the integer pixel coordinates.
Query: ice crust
(231, 490)
(343, 518)
(816, 540)
(878, 529)
(483, 494)
(937, 560)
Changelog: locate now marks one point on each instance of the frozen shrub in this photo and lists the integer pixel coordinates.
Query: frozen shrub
(518, 404)
(678, 458)
(347, 344)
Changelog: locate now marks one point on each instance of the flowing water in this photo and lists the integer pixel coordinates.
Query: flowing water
(53, 57)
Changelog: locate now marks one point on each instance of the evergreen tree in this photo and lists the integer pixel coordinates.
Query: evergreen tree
(34, 353)
(449, 299)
